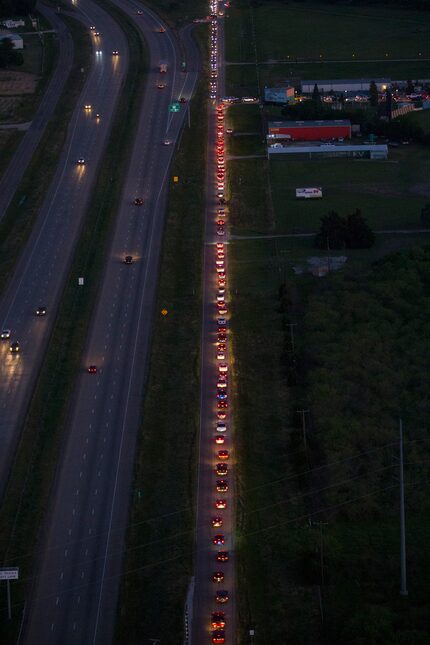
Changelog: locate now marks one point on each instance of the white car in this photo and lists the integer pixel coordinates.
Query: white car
(223, 368)
(5, 334)
(221, 426)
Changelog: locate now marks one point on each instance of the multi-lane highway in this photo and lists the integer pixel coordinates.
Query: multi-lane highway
(214, 607)
(76, 588)
(23, 154)
(42, 268)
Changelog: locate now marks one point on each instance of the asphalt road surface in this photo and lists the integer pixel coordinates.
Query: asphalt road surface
(42, 268)
(75, 594)
(18, 164)
(205, 551)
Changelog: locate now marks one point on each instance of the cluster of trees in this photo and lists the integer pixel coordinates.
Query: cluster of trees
(351, 232)
(11, 8)
(9, 55)
(365, 349)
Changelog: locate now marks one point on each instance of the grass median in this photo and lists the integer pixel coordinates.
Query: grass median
(29, 487)
(20, 217)
(158, 565)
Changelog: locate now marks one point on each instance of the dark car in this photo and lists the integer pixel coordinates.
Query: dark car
(218, 620)
(222, 485)
(128, 259)
(222, 556)
(138, 201)
(218, 539)
(41, 311)
(221, 596)
(218, 637)
(218, 576)
(221, 469)
(92, 369)
(14, 347)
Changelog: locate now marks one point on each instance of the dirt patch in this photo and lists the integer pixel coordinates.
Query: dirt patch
(8, 107)
(421, 189)
(17, 83)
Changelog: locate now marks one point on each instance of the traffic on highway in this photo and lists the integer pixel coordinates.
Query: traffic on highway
(214, 595)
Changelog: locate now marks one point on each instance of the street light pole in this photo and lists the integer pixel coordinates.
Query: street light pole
(403, 588)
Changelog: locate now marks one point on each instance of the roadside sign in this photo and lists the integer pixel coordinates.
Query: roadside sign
(164, 312)
(9, 573)
(80, 282)
(175, 179)
(174, 107)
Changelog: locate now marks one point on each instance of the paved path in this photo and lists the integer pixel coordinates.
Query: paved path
(15, 126)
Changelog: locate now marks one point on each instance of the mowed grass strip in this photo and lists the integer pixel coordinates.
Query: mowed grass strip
(29, 487)
(18, 222)
(158, 564)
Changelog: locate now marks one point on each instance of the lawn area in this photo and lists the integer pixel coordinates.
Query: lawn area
(246, 145)
(308, 29)
(244, 118)
(390, 194)
(421, 118)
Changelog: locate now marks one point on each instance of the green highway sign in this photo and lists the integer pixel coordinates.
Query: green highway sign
(174, 107)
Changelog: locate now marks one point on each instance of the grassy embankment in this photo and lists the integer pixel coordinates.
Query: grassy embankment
(158, 564)
(307, 34)
(29, 487)
(17, 224)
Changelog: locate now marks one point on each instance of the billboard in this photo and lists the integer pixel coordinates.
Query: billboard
(309, 193)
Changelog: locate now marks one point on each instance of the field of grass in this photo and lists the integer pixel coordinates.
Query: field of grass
(37, 455)
(390, 194)
(307, 30)
(159, 564)
(179, 13)
(307, 34)
(420, 118)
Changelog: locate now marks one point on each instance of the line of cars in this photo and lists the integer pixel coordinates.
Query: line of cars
(222, 449)
(5, 334)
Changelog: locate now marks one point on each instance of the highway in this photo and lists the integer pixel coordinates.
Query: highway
(74, 597)
(42, 267)
(17, 166)
(214, 359)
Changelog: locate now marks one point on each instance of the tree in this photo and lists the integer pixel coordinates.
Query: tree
(410, 88)
(316, 97)
(373, 94)
(332, 233)
(358, 234)
(8, 54)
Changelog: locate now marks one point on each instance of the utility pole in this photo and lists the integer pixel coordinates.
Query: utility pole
(403, 588)
(291, 325)
(303, 412)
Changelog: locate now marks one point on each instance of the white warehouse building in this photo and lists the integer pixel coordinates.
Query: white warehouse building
(345, 85)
